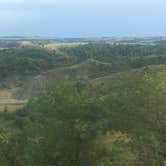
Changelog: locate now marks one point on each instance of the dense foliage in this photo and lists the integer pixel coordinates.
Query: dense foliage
(121, 57)
(124, 125)
(24, 61)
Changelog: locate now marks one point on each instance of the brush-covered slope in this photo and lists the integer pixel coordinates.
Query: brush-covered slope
(83, 71)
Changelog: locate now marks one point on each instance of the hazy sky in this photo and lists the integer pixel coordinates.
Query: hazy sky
(83, 18)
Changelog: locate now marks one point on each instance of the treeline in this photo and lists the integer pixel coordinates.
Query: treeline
(103, 50)
(75, 125)
(25, 61)
(8, 43)
(121, 57)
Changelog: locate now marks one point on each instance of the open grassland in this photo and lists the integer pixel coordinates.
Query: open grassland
(54, 46)
(11, 107)
(9, 104)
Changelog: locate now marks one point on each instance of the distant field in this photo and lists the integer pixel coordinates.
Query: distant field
(11, 107)
(54, 46)
(6, 102)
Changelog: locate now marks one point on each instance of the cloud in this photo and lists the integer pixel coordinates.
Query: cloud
(82, 2)
(30, 2)
(118, 2)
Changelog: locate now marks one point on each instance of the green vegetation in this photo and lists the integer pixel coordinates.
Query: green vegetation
(21, 61)
(106, 109)
(28, 61)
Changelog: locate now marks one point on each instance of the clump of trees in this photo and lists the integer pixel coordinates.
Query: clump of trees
(25, 61)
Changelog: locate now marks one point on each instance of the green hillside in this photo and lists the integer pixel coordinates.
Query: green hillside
(86, 105)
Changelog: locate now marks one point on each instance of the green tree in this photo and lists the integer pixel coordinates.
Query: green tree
(64, 124)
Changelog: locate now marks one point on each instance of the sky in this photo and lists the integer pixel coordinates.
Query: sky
(83, 18)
